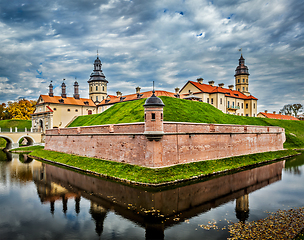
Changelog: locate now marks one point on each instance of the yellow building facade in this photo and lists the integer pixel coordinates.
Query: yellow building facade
(237, 101)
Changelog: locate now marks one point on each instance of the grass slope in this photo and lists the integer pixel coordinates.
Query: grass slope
(180, 110)
(147, 175)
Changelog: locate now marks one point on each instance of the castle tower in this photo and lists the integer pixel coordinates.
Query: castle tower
(97, 83)
(154, 129)
(241, 77)
(242, 208)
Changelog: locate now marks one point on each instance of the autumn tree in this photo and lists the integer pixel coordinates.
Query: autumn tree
(21, 109)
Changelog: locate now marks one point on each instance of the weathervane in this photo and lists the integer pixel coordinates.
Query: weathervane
(240, 50)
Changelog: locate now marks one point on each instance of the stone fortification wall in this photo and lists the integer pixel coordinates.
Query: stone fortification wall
(179, 142)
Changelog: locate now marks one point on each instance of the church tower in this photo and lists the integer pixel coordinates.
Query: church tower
(242, 77)
(97, 83)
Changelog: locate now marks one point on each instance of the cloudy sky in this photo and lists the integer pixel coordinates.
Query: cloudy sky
(140, 41)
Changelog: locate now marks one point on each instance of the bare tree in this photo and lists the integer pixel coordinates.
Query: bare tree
(290, 109)
(296, 108)
(287, 109)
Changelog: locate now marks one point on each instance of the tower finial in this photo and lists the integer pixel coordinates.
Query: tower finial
(153, 88)
(97, 53)
(240, 50)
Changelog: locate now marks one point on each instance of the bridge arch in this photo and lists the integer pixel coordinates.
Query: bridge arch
(9, 141)
(29, 139)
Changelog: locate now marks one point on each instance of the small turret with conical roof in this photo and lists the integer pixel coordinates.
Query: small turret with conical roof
(154, 129)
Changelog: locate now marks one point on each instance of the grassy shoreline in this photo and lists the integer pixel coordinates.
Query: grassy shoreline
(138, 175)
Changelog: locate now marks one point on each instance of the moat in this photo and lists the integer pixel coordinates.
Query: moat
(41, 201)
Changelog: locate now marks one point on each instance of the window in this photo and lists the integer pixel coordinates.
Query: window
(247, 89)
(207, 100)
(211, 100)
(246, 115)
(91, 89)
(238, 104)
(145, 117)
(69, 109)
(96, 98)
(96, 88)
(243, 80)
(246, 105)
(243, 89)
(89, 112)
(102, 88)
(228, 103)
(238, 89)
(221, 101)
(76, 110)
(242, 106)
(54, 109)
(238, 80)
(254, 105)
(233, 104)
(161, 116)
(153, 116)
(254, 115)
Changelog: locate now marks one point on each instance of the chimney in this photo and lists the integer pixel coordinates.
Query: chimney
(119, 94)
(51, 94)
(63, 89)
(176, 90)
(200, 80)
(274, 112)
(231, 87)
(76, 90)
(137, 90)
(266, 111)
(211, 83)
(221, 85)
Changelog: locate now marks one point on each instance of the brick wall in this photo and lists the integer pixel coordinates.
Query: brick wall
(181, 142)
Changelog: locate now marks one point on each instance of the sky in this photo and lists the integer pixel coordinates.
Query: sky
(141, 41)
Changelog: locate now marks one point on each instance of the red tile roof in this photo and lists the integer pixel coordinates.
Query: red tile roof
(67, 100)
(131, 97)
(215, 89)
(278, 116)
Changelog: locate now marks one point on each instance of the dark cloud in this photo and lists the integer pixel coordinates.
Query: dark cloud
(169, 42)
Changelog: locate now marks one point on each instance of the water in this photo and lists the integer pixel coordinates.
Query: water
(40, 201)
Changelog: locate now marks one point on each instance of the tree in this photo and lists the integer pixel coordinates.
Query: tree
(290, 109)
(286, 110)
(21, 109)
(296, 108)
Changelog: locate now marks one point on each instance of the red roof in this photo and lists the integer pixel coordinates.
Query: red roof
(67, 100)
(215, 89)
(131, 97)
(278, 116)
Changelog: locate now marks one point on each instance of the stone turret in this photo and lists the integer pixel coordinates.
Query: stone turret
(154, 129)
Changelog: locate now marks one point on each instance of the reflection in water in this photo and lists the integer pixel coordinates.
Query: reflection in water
(294, 165)
(155, 211)
(152, 210)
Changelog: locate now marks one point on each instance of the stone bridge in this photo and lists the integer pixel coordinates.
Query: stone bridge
(12, 138)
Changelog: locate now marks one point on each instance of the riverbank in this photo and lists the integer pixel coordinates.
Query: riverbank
(133, 174)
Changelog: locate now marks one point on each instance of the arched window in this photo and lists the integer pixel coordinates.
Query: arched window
(96, 88)
(89, 112)
(103, 88)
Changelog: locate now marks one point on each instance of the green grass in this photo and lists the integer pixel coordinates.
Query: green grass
(27, 149)
(180, 110)
(6, 124)
(160, 175)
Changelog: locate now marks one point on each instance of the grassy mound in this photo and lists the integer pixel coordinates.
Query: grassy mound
(5, 125)
(180, 110)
